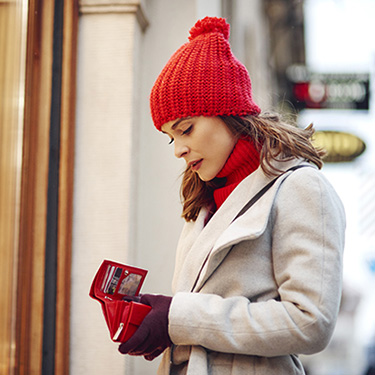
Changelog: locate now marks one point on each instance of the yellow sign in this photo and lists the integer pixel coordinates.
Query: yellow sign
(340, 146)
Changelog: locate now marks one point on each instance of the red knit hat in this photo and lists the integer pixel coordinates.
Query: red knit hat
(203, 78)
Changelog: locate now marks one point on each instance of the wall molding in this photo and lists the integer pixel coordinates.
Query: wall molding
(119, 7)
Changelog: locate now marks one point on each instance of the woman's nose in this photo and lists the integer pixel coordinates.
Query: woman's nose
(180, 149)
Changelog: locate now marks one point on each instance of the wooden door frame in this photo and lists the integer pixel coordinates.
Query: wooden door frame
(43, 298)
(66, 177)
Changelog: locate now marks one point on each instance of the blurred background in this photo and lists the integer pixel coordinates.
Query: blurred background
(84, 176)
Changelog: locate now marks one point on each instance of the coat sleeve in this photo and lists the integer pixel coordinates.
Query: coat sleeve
(308, 224)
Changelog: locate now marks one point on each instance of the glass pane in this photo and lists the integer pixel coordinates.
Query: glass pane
(13, 26)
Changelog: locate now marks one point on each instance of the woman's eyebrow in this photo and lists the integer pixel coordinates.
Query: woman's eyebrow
(173, 126)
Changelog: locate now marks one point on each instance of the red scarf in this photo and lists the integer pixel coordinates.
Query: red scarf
(243, 161)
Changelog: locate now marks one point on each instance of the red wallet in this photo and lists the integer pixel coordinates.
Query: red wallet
(112, 282)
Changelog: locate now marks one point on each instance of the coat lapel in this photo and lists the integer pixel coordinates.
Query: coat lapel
(202, 248)
(197, 240)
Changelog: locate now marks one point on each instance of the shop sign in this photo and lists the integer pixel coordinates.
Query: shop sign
(328, 91)
(340, 146)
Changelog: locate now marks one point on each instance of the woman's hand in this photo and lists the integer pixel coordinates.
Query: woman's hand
(151, 337)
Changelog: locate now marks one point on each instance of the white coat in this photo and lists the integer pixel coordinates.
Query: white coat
(270, 287)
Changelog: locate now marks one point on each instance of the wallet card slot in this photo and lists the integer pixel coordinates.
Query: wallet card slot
(106, 277)
(113, 280)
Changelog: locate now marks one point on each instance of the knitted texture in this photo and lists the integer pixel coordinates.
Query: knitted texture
(203, 78)
(243, 160)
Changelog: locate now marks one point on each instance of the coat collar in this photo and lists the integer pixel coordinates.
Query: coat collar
(202, 248)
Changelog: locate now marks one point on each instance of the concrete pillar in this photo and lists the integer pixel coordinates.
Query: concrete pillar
(103, 170)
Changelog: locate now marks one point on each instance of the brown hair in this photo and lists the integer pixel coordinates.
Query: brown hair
(275, 139)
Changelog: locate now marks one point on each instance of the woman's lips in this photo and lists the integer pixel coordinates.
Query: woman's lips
(196, 165)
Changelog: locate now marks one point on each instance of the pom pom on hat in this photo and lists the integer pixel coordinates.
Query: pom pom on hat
(203, 78)
(210, 25)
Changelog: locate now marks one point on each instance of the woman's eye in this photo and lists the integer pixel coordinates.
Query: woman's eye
(171, 141)
(188, 130)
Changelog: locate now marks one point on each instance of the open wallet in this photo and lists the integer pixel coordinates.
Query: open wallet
(112, 282)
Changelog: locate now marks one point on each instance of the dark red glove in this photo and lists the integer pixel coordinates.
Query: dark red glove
(151, 337)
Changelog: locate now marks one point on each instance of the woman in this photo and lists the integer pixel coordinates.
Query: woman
(251, 290)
